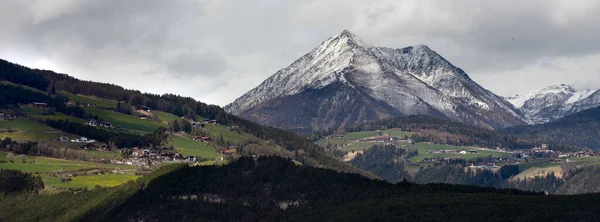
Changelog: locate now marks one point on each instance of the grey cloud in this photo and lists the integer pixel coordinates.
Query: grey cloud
(234, 44)
(198, 64)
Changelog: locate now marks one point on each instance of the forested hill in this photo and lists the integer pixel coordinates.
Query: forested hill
(276, 189)
(580, 129)
(443, 131)
(51, 82)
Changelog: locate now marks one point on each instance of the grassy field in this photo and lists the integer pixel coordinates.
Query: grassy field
(228, 135)
(125, 121)
(356, 146)
(33, 112)
(84, 100)
(188, 147)
(44, 165)
(423, 148)
(350, 139)
(104, 180)
(27, 129)
(539, 168)
(164, 116)
(391, 132)
(48, 164)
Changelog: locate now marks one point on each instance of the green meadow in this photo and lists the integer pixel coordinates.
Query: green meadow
(84, 100)
(188, 147)
(165, 116)
(126, 121)
(27, 129)
(423, 148)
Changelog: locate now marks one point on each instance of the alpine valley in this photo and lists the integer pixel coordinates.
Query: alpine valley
(345, 82)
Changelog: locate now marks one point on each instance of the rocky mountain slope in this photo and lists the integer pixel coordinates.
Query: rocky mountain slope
(344, 81)
(554, 102)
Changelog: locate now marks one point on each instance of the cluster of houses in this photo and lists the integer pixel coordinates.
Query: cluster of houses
(486, 166)
(80, 139)
(73, 103)
(452, 151)
(93, 122)
(146, 157)
(579, 154)
(384, 139)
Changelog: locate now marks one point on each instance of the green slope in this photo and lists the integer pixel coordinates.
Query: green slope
(165, 116)
(125, 121)
(84, 100)
(27, 129)
(188, 147)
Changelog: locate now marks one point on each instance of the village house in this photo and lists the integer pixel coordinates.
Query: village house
(230, 128)
(92, 122)
(2, 116)
(137, 152)
(39, 105)
(70, 103)
(63, 139)
(106, 124)
(143, 108)
(229, 153)
(212, 121)
(206, 139)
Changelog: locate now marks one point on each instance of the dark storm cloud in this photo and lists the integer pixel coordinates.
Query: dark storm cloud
(231, 46)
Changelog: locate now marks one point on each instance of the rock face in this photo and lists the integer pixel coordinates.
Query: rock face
(344, 82)
(554, 102)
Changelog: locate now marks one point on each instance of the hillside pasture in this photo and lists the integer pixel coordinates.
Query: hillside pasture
(423, 149)
(125, 121)
(84, 100)
(228, 135)
(43, 166)
(27, 129)
(91, 181)
(188, 147)
(165, 116)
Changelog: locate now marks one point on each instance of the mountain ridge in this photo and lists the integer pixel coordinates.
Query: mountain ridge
(554, 102)
(413, 80)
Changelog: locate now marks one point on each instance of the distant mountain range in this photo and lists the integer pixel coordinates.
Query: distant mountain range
(345, 82)
(554, 102)
(581, 129)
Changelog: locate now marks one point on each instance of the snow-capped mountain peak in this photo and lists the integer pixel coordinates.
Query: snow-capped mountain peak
(551, 102)
(411, 80)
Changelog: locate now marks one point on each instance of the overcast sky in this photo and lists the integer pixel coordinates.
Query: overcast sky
(217, 50)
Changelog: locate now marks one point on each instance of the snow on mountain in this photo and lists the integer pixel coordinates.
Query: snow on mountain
(588, 100)
(412, 80)
(553, 102)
